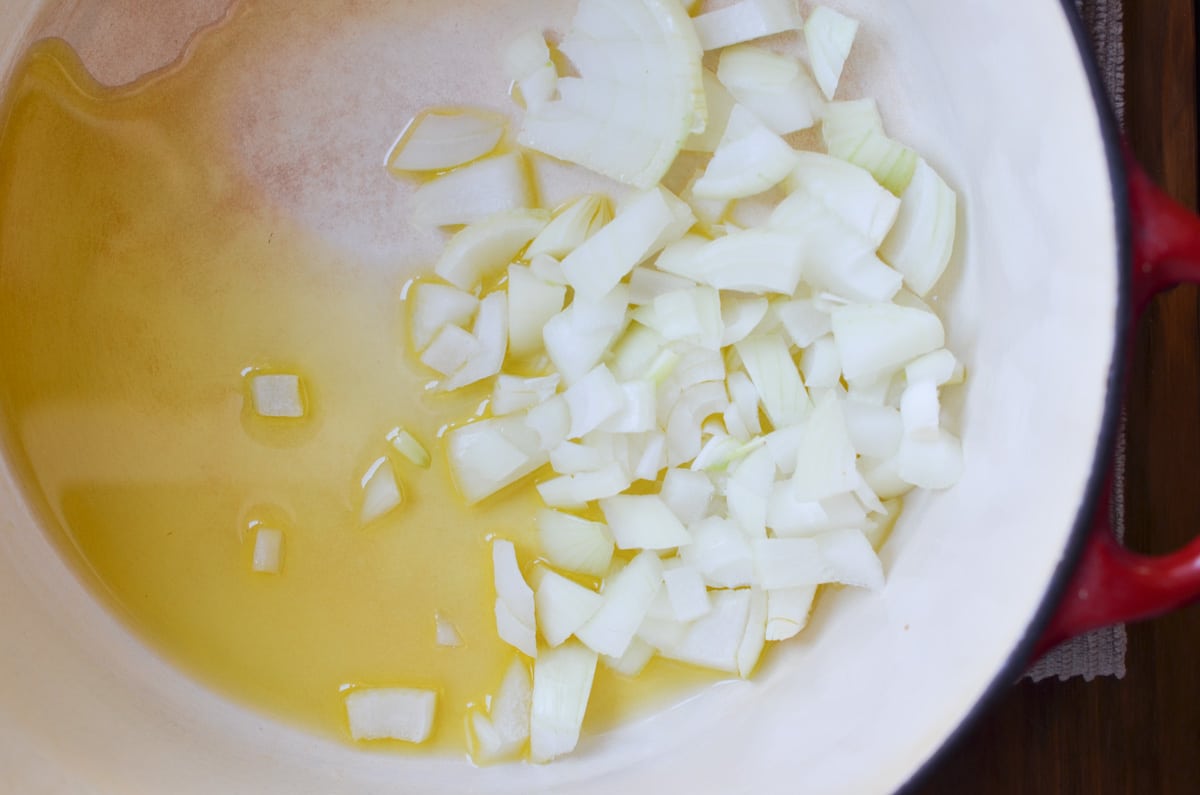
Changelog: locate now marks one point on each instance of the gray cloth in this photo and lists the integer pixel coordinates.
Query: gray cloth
(1100, 653)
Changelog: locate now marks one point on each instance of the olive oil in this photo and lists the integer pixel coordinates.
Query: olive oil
(143, 270)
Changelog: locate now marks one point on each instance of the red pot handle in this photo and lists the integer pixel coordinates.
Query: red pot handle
(1112, 584)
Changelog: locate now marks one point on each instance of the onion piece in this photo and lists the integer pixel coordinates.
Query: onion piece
(850, 192)
(472, 193)
(940, 367)
(687, 494)
(450, 350)
(741, 315)
(572, 226)
(803, 320)
(528, 64)
(754, 639)
(277, 395)
(268, 550)
(829, 36)
(697, 403)
(436, 305)
(853, 131)
(720, 104)
(441, 139)
(744, 397)
(627, 596)
(381, 492)
(551, 421)
(391, 713)
(877, 338)
(512, 394)
(562, 684)
(639, 96)
(445, 632)
(531, 303)
(407, 445)
(746, 21)
(686, 592)
(713, 640)
(501, 734)
(774, 375)
(571, 458)
(922, 241)
(488, 455)
(820, 364)
(848, 558)
(515, 617)
(573, 491)
(931, 461)
(491, 333)
(637, 414)
(721, 552)
(488, 245)
(563, 606)
(752, 261)
(577, 338)
(920, 411)
(593, 399)
(825, 459)
(789, 517)
(645, 224)
(748, 492)
(575, 544)
(691, 315)
(750, 160)
(634, 660)
(774, 87)
(646, 284)
(788, 610)
(546, 268)
(875, 431)
(643, 522)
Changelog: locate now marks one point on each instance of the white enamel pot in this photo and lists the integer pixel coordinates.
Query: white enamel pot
(1001, 96)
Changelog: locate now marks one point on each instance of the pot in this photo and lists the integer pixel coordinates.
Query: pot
(1063, 241)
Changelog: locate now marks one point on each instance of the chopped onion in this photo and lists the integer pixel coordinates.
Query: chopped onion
(825, 459)
(691, 315)
(643, 522)
(441, 139)
(745, 399)
(850, 192)
(776, 88)
(877, 338)
(930, 461)
(638, 97)
(512, 394)
(940, 367)
(713, 640)
(407, 445)
(450, 350)
(546, 268)
(653, 458)
(883, 476)
(515, 621)
(502, 733)
(551, 421)
(848, 558)
(381, 492)
(788, 562)
(746, 21)
(687, 593)
(697, 403)
(573, 491)
(875, 431)
(492, 185)
(829, 36)
(563, 606)
(437, 305)
(488, 455)
(562, 684)
(645, 224)
(804, 321)
(277, 395)
(920, 411)
(687, 494)
(626, 598)
(752, 261)
(391, 713)
(268, 550)
(775, 376)
(748, 492)
(720, 104)
(820, 364)
(531, 304)
(788, 516)
(577, 338)
(572, 227)
(721, 552)
(922, 240)
(593, 399)
(575, 544)
(488, 245)
(853, 131)
(788, 610)
(750, 159)
(446, 633)
(491, 333)
(741, 314)
(571, 458)
(634, 660)
(637, 414)
(646, 284)
(754, 639)
(527, 63)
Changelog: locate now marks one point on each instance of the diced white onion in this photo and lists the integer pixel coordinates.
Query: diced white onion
(391, 713)
(492, 185)
(575, 544)
(878, 338)
(531, 304)
(515, 620)
(713, 640)
(721, 552)
(931, 461)
(626, 598)
(643, 521)
(490, 331)
(748, 492)
(562, 684)
(563, 606)
(853, 131)
(488, 246)
(381, 492)
(752, 261)
(687, 494)
(746, 21)
(788, 610)
(445, 632)
(750, 159)
(637, 414)
(776, 88)
(573, 491)
(512, 394)
(829, 36)
(687, 593)
(437, 140)
(437, 305)
(573, 226)
(804, 321)
(940, 367)
(488, 455)
(720, 104)
(754, 639)
(593, 399)
(775, 376)
(634, 660)
(277, 395)
(407, 445)
(450, 350)
(922, 240)
(875, 431)
(577, 338)
(268, 550)
(850, 193)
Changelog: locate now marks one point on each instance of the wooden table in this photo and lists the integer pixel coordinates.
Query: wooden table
(1141, 734)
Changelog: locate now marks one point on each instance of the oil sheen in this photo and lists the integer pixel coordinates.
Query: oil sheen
(142, 271)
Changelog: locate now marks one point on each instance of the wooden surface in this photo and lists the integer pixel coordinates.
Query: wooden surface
(1141, 734)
